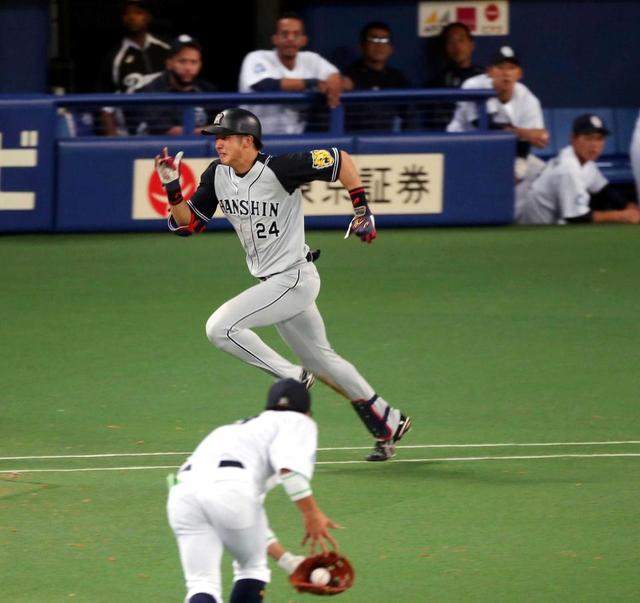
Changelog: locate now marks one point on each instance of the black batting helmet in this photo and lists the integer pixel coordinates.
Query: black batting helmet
(236, 121)
(288, 394)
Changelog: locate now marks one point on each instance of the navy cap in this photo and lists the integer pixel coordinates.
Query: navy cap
(589, 123)
(288, 394)
(505, 54)
(183, 41)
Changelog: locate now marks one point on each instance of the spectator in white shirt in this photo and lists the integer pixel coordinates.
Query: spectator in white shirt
(288, 68)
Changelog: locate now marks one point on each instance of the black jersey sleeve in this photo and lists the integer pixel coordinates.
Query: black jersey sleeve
(205, 201)
(295, 169)
(608, 198)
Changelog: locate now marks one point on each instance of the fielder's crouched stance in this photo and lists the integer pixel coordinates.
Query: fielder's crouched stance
(259, 194)
(216, 501)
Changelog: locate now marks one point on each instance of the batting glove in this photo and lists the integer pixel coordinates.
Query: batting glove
(363, 225)
(168, 169)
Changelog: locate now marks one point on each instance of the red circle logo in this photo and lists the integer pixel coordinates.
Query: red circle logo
(492, 12)
(157, 195)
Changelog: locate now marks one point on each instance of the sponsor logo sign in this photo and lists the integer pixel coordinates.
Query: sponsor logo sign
(482, 18)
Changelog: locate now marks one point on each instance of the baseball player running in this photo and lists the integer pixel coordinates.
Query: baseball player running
(216, 500)
(259, 194)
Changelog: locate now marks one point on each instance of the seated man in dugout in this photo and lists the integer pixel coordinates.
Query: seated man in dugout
(373, 72)
(514, 108)
(571, 188)
(288, 68)
(182, 74)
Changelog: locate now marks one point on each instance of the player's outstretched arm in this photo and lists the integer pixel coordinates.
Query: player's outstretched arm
(316, 526)
(316, 523)
(628, 215)
(363, 225)
(349, 176)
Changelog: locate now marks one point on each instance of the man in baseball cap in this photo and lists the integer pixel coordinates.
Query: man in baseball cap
(182, 74)
(289, 394)
(513, 108)
(589, 123)
(216, 500)
(571, 188)
(183, 41)
(505, 54)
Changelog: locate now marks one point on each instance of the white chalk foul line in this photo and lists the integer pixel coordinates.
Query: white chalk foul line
(84, 469)
(453, 459)
(331, 449)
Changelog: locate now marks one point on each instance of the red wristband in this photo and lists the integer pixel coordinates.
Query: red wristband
(358, 196)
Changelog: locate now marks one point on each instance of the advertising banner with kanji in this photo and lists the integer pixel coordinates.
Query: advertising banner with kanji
(397, 184)
(450, 179)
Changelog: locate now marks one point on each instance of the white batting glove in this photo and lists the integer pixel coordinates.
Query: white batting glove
(168, 168)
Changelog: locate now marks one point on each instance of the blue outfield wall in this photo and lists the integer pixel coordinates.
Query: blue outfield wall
(96, 179)
(27, 165)
(99, 184)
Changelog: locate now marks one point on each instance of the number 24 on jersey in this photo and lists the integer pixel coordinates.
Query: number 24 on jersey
(262, 231)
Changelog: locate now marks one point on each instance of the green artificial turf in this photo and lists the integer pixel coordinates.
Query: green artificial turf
(484, 336)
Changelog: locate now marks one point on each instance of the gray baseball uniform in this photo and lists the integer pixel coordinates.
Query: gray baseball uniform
(218, 501)
(265, 208)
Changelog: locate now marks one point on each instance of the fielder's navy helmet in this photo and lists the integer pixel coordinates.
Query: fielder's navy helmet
(288, 394)
(236, 121)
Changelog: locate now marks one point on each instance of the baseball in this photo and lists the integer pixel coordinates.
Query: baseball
(320, 576)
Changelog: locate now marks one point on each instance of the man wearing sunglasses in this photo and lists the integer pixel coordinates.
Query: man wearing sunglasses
(371, 72)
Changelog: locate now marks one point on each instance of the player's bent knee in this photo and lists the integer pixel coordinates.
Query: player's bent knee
(248, 591)
(217, 333)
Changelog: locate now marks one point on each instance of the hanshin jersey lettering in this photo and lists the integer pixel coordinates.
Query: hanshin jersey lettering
(265, 206)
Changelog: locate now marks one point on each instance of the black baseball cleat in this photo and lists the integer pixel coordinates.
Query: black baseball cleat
(307, 378)
(383, 450)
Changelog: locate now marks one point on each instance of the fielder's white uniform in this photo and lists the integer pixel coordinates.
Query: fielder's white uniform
(265, 64)
(217, 502)
(561, 191)
(265, 208)
(634, 152)
(523, 110)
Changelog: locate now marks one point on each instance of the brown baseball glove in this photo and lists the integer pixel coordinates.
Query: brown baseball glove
(339, 567)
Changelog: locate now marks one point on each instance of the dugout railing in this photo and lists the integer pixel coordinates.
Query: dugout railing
(55, 178)
(381, 112)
